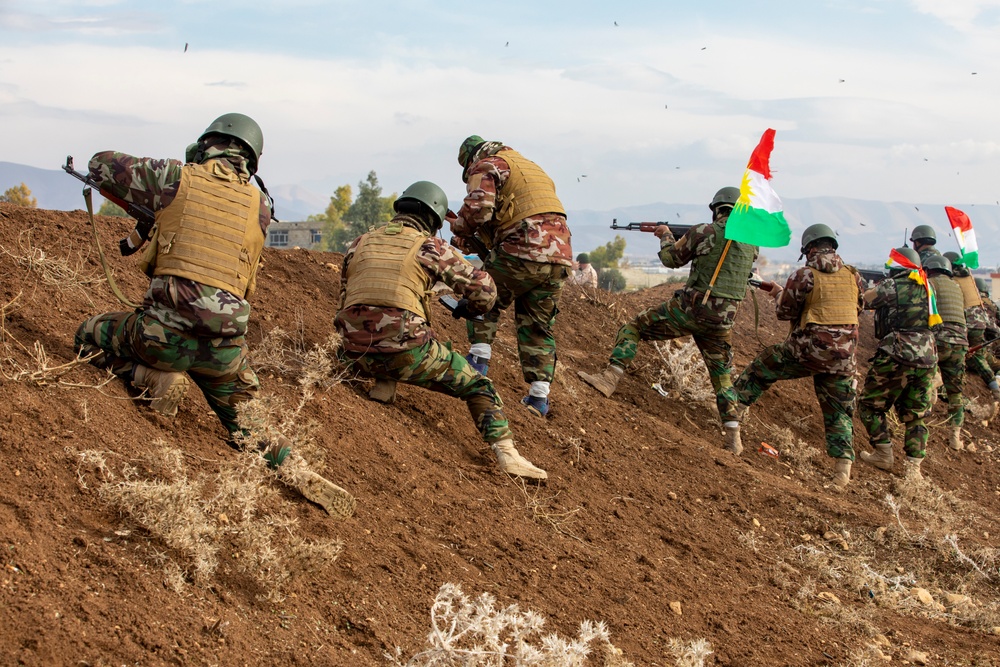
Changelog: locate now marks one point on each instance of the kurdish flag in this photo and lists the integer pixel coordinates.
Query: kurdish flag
(757, 218)
(965, 235)
(917, 275)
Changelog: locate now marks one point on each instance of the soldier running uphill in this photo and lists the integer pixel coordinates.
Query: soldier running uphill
(902, 371)
(822, 300)
(979, 323)
(512, 209)
(951, 340)
(704, 309)
(384, 315)
(202, 261)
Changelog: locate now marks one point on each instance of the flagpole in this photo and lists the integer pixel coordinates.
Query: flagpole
(711, 283)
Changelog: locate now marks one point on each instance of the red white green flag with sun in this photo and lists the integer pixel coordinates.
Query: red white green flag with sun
(757, 218)
(965, 235)
(917, 275)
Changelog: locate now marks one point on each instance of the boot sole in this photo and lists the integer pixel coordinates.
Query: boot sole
(167, 405)
(336, 501)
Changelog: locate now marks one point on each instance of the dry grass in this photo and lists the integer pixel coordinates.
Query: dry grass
(684, 370)
(199, 523)
(62, 273)
(474, 632)
(607, 300)
(286, 353)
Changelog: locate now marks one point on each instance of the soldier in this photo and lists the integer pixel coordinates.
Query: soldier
(924, 238)
(951, 340)
(993, 311)
(980, 328)
(705, 308)
(384, 315)
(902, 371)
(822, 300)
(202, 260)
(512, 208)
(583, 273)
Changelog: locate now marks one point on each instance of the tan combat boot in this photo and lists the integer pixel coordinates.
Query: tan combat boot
(733, 442)
(337, 502)
(512, 463)
(384, 391)
(882, 456)
(606, 382)
(842, 473)
(955, 441)
(911, 468)
(166, 388)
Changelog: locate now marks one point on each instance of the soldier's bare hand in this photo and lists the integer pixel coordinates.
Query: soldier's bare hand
(661, 231)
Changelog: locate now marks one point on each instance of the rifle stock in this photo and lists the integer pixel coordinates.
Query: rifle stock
(144, 217)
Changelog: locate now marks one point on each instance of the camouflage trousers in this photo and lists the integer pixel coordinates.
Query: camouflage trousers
(992, 360)
(976, 363)
(219, 366)
(534, 289)
(890, 384)
(951, 363)
(836, 394)
(434, 366)
(669, 320)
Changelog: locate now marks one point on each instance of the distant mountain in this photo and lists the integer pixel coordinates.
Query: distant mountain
(867, 229)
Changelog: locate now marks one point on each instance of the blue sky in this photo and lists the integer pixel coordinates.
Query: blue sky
(872, 100)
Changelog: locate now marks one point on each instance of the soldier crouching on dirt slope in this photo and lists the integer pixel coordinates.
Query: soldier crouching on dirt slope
(822, 300)
(202, 261)
(384, 315)
(693, 311)
(902, 371)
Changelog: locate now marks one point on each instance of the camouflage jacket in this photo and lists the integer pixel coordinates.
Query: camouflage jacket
(718, 312)
(927, 251)
(181, 304)
(914, 347)
(586, 277)
(541, 238)
(820, 347)
(388, 330)
(992, 312)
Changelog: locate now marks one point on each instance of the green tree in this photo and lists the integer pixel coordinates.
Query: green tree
(370, 208)
(19, 195)
(611, 279)
(334, 227)
(113, 209)
(607, 256)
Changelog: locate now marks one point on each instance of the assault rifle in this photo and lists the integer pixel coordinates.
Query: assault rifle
(143, 216)
(872, 275)
(976, 348)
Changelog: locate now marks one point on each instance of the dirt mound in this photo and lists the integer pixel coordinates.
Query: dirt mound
(642, 508)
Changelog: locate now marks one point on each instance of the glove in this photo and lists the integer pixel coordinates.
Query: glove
(462, 310)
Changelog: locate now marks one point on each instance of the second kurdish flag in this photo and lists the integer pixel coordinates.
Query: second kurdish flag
(965, 235)
(757, 218)
(917, 275)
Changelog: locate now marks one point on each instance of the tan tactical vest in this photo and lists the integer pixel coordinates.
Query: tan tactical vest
(833, 300)
(970, 293)
(950, 300)
(210, 233)
(527, 191)
(384, 271)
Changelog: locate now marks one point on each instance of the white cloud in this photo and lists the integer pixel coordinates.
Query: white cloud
(959, 14)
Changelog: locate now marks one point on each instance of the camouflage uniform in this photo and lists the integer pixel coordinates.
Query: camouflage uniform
(182, 325)
(709, 323)
(397, 344)
(993, 312)
(981, 329)
(902, 370)
(529, 262)
(825, 352)
(952, 343)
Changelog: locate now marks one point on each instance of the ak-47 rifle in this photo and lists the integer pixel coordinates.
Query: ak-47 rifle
(976, 348)
(872, 275)
(144, 217)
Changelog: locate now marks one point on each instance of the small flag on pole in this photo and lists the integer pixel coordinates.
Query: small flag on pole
(965, 235)
(917, 275)
(757, 218)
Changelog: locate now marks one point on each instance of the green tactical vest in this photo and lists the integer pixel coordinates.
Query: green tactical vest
(950, 302)
(731, 282)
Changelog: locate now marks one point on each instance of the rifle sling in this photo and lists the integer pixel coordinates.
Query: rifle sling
(87, 196)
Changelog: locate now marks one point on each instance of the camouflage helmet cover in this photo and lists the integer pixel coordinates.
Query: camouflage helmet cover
(938, 263)
(922, 233)
(468, 148)
(727, 196)
(429, 194)
(242, 127)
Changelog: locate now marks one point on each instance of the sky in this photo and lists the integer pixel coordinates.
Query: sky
(621, 103)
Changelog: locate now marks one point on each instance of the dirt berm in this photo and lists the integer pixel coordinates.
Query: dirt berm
(642, 508)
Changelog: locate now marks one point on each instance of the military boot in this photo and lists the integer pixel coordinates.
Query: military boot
(842, 473)
(606, 382)
(955, 441)
(882, 456)
(733, 443)
(512, 463)
(384, 391)
(911, 468)
(336, 501)
(166, 388)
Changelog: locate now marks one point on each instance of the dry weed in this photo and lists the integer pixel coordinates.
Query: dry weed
(684, 370)
(61, 273)
(689, 654)
(286, 354)
(474, 632)
(796, 452)
(607, 300)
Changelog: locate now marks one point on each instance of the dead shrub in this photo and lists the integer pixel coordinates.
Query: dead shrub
(684, 370)
(62, 273)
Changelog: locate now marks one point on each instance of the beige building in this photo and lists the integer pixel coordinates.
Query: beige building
(308, 235)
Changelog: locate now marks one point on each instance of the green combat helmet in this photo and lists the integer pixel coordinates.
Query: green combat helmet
(923, 234)
(240, 127)
(938, 263)
(954, 258)
(816, 232)
(468, 149)
(983, 286)
(727, 196)
(430, 195)
(583, 258)
(908, 253)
